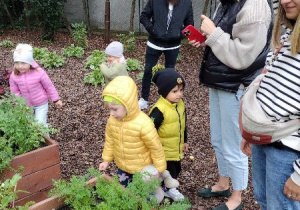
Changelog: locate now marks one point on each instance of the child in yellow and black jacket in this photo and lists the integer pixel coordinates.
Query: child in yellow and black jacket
(169, 117)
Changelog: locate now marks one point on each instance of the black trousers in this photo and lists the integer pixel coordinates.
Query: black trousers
(152, 57)
(174, 167)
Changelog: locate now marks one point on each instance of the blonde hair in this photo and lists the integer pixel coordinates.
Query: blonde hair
(295, 36)
(17, 72)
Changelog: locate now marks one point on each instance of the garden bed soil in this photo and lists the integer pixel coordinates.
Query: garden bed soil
(83, 117)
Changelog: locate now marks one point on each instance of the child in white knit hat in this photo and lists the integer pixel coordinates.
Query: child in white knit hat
(116, 62)
(31, 82)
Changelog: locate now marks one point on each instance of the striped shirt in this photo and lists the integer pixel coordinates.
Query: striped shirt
(279, 92)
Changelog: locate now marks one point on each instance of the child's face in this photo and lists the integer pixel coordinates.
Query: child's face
(175, 94)
(112, 59)
(22, 67)
(291, 8)
(118, 111)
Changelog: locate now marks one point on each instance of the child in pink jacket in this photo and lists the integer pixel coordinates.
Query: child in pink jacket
(31, 82)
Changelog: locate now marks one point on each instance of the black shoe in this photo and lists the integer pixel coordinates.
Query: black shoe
(223, 206)
(207, 193)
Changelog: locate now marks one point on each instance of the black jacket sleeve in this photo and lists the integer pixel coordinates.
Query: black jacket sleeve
(157, 116)
(189, 18)
(146, 17)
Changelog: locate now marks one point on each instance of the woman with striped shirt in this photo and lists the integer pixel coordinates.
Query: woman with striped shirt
(276, 166)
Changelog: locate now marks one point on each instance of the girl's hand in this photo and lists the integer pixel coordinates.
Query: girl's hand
(59, 104)
(207, 25)
(246, 147)
(291, 190)
(103, 166)
(185, 147)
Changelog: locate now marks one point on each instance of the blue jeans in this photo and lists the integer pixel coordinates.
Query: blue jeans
(41, 113)
(152, 57)
(226, 138)
(271, 168)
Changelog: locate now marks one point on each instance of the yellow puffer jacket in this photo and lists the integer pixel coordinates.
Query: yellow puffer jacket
(133, 142)
(171, 131)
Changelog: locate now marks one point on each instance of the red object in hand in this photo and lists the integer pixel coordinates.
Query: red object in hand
(193, 33)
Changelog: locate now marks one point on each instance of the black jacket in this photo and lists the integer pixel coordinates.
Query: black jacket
(215, 74)
(154, 18)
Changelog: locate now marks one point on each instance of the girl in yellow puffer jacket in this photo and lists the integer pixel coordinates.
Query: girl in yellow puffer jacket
(131, 139)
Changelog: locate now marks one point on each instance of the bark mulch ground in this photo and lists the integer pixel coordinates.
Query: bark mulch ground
(83, 117)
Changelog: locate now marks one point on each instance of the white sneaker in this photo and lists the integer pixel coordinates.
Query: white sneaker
(143, 104)
(174, 194)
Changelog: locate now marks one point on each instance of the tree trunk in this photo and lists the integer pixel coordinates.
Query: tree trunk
(66, 22)
(132, 15)
(86, 14)
(26, 9)
(12, 23)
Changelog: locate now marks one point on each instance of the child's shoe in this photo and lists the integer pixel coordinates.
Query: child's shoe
(143, 104)
(174, 194)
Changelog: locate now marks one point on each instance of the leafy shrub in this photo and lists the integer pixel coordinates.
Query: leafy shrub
(6, 44)
(8, 194)
(178, 59)
(157, 68)
(95, 77)
(39, 53)
(140, 76)
(109, 194)
(52, 60)
(73, 51)
(128, 40)
(80, 34)
(19, 131)
(133, 65)
(95, 59)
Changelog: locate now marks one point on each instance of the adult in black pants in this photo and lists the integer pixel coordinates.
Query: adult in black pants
(164, 20)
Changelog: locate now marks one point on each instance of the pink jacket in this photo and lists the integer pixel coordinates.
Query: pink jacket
(35, 86)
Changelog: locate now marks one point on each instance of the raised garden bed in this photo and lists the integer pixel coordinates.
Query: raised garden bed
(41, 166)
(55, 203)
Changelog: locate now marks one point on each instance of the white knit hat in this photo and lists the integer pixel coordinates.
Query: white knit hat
(115, 49)
(23, 53)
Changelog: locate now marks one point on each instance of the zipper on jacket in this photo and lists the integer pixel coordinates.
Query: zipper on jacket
(179, 130)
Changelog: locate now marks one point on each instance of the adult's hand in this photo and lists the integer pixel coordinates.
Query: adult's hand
(246, 147)
(207, 26)
(196, 43)
(291, 190)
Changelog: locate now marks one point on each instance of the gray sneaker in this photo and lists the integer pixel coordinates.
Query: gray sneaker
(174, 194)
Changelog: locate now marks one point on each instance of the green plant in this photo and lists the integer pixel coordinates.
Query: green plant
(80, 34)
(109, 194)
(6, 44)
(95, 59)
(73, 51)
(8, 194)
(52, 60)
(178, 59)
(140, 76)
(157, 68)
(19, 131)
(95, 77)
(133, 65)
(128, 40)
(39, 53)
